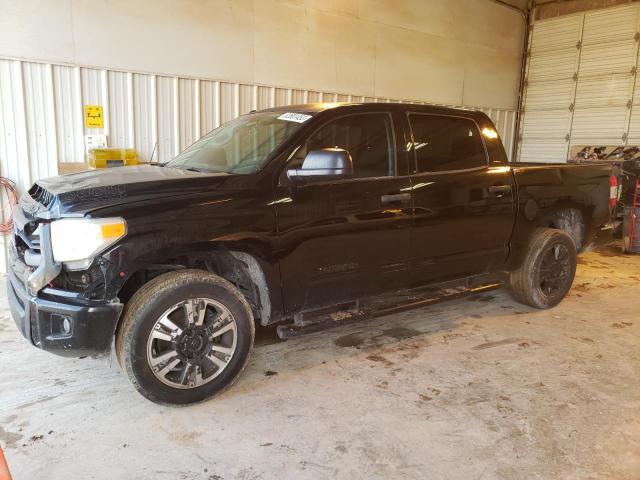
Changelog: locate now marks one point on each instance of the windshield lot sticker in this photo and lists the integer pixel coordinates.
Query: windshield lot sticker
(294, 117)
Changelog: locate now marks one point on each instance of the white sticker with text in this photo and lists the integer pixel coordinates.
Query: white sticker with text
(294, 117)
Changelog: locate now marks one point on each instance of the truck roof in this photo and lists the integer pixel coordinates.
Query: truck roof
(320, 107)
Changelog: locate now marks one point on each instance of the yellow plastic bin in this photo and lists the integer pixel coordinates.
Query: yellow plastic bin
(112, 157)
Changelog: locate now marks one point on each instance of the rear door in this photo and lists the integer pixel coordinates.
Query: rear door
(463, 208)
(346, 239)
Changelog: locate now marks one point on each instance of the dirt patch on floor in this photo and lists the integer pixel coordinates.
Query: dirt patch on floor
(621, 324)
(351, 340)
(380, 359)
(612, 250)
(400, 333)
(9, 439)
(481, 298)
(498, 343)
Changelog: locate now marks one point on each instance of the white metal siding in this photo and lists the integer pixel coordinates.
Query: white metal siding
(43, 118)
(68, 112)
(167, 118)
(120, 94)
(144, 124)
(41, 140)
(95, 91)
(188, 112)
(580, 83)
(209, 112)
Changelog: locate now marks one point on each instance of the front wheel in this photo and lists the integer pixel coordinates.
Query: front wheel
(547, 271)
(185, 337)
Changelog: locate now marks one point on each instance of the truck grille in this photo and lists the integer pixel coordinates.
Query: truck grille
(27, 238)
(30, 238)
(41, 195)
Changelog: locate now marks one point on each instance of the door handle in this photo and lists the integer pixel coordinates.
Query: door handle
(500, 188)
(395, 198)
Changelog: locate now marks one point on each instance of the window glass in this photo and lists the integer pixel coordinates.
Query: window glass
(367, 137)
(241, 146)
(446, 143)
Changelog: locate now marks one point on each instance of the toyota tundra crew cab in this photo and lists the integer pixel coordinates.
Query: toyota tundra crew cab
(281, 214)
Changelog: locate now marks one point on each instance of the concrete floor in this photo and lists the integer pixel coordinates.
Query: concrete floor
(476, 388)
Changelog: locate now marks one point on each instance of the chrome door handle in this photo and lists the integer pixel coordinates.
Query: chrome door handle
(395, 198)
(500, 188)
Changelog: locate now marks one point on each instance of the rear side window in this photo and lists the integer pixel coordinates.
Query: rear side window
(446, 143)
(368, 137)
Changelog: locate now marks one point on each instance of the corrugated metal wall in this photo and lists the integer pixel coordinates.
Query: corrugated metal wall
(42, 124)
(42, 113)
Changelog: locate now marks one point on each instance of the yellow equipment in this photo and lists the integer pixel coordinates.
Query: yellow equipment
(112, 157)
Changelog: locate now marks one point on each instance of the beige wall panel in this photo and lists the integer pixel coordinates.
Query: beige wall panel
(494, 81)
(306, 49)
(342, 46)
(434, 17)
(438, 77)
(489, 24)
(38, 29)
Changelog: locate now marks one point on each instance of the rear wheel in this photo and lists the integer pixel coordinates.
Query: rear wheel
(185, 337)
(547, 271)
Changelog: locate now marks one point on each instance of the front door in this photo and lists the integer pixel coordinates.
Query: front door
(345, 239)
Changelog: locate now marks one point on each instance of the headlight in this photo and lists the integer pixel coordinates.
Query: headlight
(77, 239)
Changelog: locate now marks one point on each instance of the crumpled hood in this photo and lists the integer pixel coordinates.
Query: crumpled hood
(85, 191)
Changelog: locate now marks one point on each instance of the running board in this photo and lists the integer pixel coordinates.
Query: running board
(317, 322)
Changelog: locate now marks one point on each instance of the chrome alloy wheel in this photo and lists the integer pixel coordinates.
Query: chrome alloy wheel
(192, 343)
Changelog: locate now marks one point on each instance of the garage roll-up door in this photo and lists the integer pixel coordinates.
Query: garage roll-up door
(580, 84)
(550, 89)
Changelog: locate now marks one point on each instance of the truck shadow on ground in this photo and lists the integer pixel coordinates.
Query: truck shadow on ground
(409, 331)
(404, 334)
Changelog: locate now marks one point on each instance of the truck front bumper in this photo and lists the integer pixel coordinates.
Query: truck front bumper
(54, 320)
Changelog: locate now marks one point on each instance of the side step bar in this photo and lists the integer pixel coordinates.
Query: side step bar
(376, 308)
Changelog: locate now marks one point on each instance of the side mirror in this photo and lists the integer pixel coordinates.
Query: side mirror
(323, 164)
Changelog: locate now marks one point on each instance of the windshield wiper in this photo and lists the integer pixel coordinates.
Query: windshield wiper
(202, 170)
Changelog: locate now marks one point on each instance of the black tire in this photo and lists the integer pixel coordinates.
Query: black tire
(150, 303)
(544, 279)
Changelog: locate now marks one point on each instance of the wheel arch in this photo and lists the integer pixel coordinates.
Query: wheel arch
(570, 217)
(249, 271)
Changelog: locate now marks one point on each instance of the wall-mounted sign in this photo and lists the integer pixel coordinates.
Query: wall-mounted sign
(94, 141)
(93, 116)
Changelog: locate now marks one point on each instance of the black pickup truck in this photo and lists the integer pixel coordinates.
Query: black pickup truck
(282, 213)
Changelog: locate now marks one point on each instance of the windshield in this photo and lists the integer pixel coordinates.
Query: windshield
(241, 146)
